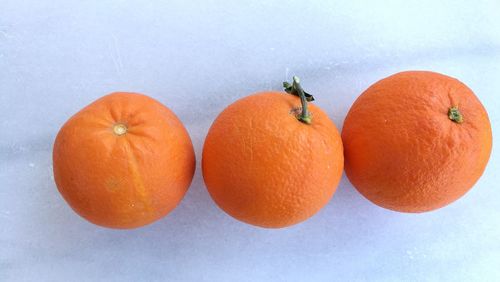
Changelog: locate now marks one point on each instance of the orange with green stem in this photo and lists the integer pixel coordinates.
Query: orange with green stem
(416, 141)
(272, 160)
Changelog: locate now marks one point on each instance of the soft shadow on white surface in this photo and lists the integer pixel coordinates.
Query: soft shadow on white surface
(197, 58)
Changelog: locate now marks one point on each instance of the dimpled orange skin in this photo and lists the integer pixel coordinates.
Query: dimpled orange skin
(402, 150)
(264, 167)
(128, 180)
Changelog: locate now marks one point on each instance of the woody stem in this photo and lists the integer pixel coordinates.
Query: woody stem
(304, 116)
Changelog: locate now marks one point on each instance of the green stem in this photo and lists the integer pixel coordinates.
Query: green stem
(296, 89)
(304, 116)
(455, 115)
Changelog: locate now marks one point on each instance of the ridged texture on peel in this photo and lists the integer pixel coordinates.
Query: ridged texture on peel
(129, 180)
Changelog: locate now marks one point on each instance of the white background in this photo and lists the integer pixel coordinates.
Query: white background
(196, 58)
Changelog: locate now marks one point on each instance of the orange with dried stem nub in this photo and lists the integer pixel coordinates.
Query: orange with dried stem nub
(123, 161)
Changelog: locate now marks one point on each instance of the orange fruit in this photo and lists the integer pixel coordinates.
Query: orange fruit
(416, 141)
(123, 161)
(265, 167)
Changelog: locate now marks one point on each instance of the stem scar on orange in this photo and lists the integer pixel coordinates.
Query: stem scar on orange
(123, 161)
(272, 160)
(416, 141)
